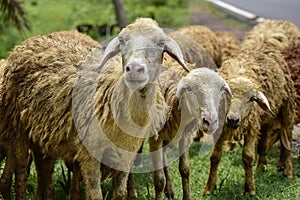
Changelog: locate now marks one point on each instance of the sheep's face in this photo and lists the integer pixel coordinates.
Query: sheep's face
(141, 58)
(202, 93)
(245, 96)
(142, 45)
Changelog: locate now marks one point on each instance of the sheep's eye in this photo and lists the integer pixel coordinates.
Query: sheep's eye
(189, 89)
(121, 40)
(161, 42)
(253, 99)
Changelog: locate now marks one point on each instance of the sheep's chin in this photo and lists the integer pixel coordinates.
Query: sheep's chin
(136, 84)
(209, 130)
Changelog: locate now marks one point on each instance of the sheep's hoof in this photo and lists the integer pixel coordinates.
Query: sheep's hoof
(132, 194)
(169, 191)
(206, 193)
(262, 167)
(288, 174)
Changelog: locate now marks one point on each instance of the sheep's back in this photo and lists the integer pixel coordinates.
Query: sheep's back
(265, 68)
(206, 38)
(39, 78)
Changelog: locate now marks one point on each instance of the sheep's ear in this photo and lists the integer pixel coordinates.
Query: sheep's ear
(172, 48)
(263, 102)
(112, 49)
(181, 87)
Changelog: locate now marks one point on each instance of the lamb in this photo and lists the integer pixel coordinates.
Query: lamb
(82, 115)
(277, 34)
(205, 37)
(257, 78)
(230, 44)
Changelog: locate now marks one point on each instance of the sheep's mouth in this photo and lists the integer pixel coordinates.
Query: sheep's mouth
(133, 81)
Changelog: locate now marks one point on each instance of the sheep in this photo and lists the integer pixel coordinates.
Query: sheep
(230, 44)
(272, 135)
(193, 106)
(291, 55)
(10, 162)
(60, 108)
(277, 34)
(205, 37)
(257, 78)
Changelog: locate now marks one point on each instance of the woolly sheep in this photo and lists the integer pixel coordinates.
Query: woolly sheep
(206, 38)
(230, 44)
(272, 135)
(194, 106)
(257, 78)
(291, 55)
(57, 113)
(276, 34)
(71, 37)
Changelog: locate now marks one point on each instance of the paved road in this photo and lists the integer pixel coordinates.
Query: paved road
(272, 9)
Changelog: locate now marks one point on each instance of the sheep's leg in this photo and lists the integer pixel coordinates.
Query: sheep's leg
(215, 159)
(131, 188)
(91, 176)
(44, 168)
(285, 162)
(184, 167)
(169, 189)
(248, 160)
(6, 177)
(158, 174)
(74, 187)
(21, 169)
(120, 186)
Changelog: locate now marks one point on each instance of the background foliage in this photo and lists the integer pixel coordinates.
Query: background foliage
(46, 16)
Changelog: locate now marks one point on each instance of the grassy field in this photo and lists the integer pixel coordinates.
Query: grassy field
(230, 185)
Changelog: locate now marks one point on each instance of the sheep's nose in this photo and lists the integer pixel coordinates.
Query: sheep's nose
(233, 122)
(207, 123)
(135, 68)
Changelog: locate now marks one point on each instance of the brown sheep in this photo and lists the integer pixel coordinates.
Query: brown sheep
(61, 109)
(257, 78)
(230, 44)
(291, 55)
(74, 37)
(206, 38)
(276, 34)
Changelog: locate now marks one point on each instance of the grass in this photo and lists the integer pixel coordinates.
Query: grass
(230, 185)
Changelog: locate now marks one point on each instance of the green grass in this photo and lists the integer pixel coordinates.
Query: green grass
(46, 16)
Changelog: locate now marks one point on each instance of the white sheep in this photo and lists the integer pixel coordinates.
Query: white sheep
(63, 110)
(262, 98)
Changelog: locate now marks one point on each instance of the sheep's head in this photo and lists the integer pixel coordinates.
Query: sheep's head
(142, 45)
(201, 93)
(245, 95)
